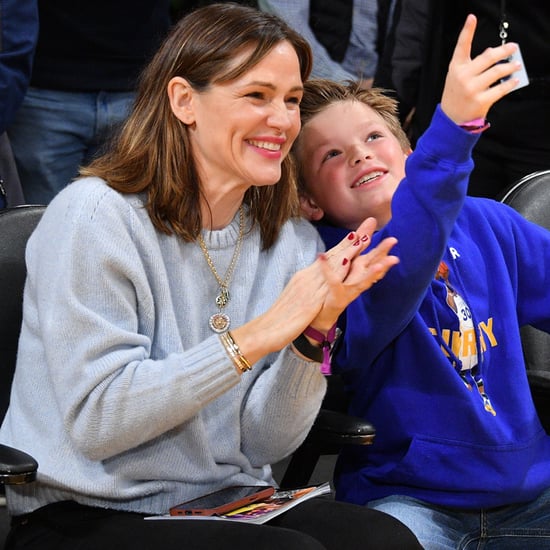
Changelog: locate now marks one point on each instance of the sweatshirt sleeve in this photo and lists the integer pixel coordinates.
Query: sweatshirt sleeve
(424, 209)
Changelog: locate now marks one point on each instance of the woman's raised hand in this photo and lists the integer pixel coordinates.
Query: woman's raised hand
(348, 273)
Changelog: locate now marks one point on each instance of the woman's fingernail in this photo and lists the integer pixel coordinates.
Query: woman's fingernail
(357, 242)
(345, 261)
(351, 236)
(365, 238)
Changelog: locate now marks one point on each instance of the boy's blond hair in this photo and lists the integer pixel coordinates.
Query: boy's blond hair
(319, 93)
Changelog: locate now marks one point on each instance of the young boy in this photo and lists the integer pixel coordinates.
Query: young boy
(432, 354)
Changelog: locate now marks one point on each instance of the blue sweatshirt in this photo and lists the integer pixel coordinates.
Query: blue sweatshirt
(432, 354)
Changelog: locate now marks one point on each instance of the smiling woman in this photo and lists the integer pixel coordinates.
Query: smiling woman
(179, 277)
(256, 116)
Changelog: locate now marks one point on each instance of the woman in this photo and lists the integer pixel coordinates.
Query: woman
(165, 290)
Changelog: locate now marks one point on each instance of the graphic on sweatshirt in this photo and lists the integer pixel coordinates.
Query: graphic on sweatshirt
(467, 366)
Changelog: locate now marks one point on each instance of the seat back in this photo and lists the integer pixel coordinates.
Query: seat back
(530, 196)
(16, 226)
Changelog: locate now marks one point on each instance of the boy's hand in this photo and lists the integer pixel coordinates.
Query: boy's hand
(469, 91)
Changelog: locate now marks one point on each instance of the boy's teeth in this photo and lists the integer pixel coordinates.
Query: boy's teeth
(368, 178)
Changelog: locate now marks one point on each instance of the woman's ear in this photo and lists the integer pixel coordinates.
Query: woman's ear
(309, 208)
(180, 94)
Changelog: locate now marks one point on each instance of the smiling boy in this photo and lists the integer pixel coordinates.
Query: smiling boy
(432, 354)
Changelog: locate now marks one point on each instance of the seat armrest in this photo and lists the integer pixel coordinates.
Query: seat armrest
(337, 428)
(16, 466)
(331, 431)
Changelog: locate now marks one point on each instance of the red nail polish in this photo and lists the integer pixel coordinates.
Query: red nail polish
(365, 238)
(351, 236)
(357, 242)
(345, 261)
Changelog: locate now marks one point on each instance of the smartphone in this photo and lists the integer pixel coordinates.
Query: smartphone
(520, 74)
(222, 501)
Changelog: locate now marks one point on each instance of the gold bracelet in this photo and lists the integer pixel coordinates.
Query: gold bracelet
(239, 360)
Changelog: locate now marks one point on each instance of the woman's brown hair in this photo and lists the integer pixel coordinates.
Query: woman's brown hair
(152, 151)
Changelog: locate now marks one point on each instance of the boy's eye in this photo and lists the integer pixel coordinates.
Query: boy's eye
(374, 136)
(330, 154)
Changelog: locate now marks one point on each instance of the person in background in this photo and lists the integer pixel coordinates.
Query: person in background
(18, 34)
(432, 354)
(346, 36)
(517, 143)
(168, 346)
(179, 8)
(88, 58)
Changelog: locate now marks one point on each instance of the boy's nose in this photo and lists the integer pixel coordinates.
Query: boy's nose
(360, 154)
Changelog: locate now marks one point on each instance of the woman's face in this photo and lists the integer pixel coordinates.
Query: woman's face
(241, 130)
(351, 163)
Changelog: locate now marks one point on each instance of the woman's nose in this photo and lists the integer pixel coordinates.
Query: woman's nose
(280, 117)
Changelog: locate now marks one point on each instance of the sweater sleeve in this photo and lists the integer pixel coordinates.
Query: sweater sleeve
(424, 209)
(283, 402)
(281, 408)
(120, 377)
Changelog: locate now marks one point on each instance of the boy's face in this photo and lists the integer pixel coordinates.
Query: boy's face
(352, 164)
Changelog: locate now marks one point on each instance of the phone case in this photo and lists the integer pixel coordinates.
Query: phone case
(194, 508)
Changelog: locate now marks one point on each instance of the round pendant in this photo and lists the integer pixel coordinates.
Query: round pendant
(219, 322)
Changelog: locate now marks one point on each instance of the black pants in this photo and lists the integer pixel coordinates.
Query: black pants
(313, 525)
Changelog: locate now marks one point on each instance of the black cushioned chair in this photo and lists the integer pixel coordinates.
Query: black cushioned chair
(530, 196)
(16, 225)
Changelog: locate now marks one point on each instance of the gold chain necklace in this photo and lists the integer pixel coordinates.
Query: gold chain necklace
(219, 322)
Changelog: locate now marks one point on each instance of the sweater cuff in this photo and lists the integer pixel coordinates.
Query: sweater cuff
(447, 140)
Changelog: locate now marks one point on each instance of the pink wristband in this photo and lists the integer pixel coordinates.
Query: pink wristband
(326, 343)
(476, 126)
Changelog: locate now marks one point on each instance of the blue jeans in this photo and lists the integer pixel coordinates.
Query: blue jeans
(55, 132)
(521, 526)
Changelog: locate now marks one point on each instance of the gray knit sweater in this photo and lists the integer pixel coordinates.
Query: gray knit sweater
(122, 392)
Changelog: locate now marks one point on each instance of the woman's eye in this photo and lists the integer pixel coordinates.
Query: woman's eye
(294, 100)
(255, 95)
